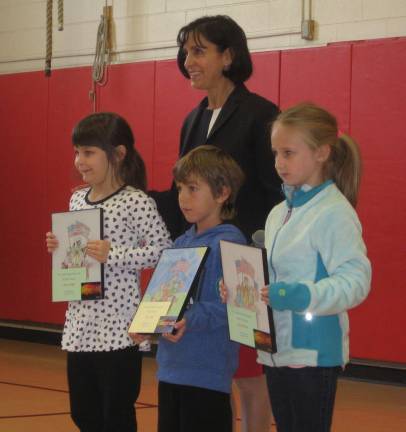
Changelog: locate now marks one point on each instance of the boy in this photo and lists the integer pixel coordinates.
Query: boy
(196, 365)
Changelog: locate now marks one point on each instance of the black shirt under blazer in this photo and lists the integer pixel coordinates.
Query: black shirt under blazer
(243, 130)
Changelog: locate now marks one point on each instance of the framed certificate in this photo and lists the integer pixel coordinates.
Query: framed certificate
(75, 275)
(245, 272)
(174, 281)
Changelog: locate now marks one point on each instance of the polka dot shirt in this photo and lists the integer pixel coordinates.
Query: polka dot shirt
(137, 235)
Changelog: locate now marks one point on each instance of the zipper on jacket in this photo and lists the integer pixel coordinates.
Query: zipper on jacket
(287, 217)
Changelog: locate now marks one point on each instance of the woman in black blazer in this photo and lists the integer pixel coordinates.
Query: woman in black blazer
(213, 54)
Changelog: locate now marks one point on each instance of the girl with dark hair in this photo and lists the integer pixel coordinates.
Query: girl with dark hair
(104, 364)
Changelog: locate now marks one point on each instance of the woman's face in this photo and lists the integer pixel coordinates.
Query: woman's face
(205, 63)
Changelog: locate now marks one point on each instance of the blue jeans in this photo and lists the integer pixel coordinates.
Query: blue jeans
(302, 398)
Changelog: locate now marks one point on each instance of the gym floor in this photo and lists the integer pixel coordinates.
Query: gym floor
(34, 396)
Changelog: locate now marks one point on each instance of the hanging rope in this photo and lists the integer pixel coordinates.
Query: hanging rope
(49, 40)
(60, 15)
(101, 57)
(101, 54)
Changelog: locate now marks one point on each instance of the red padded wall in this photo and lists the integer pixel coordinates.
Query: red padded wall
(378, 117)
(130, 93)
(174, 98)
(321, 75)
(23, 111)
(265, 79)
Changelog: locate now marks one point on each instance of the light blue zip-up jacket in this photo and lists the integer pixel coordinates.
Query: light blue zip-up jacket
(318, 269)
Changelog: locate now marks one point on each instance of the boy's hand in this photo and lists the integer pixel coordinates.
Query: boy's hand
(265, 294)
(223, 291)
(139, 338)
(98, 249)
(51, 242)
(180, 328)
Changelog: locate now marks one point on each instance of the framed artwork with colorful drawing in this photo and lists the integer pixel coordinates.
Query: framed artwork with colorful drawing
(174, 281)
(245, 272)
(75, 275)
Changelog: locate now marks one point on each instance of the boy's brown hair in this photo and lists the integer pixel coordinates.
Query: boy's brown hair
(216, 167)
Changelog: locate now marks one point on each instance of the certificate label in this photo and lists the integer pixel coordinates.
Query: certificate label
(148, 315)
(67, 283)
(241, 322)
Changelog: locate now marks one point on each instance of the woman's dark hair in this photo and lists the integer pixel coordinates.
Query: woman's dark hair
(107, 131)
(224, 32)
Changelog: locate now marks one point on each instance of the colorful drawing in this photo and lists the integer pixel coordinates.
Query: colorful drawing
(173, 277)
(247, 288)
(165, 324)
(78, 236)
(176, 273)
(91, 291)
(263, 341)
(168, 291)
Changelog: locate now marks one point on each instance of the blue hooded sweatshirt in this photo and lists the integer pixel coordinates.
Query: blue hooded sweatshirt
(204, 357)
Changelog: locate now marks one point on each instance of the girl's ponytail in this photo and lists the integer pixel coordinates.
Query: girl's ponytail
(344, 167)
(132, 170)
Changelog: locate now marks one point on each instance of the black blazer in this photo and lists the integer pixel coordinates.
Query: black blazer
(242, 129)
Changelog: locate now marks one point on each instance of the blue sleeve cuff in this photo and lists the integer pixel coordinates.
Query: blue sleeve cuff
(293, 296)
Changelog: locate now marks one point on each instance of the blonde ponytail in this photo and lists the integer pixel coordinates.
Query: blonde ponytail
(344, 167)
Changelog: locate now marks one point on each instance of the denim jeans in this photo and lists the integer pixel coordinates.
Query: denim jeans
(302, 398)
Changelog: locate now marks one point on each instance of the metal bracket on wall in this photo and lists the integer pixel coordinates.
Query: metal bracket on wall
(308, 24)
(308, 29)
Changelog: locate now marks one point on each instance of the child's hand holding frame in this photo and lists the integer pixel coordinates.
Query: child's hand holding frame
(178, 331)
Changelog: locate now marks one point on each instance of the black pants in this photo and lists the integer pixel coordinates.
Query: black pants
(192, 409)
(103, 389)
(302, 399)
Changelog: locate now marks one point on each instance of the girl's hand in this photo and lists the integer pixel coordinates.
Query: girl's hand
(98, 249)
(223, 291)
(139, 338)
(265, 294)
(180, 328)
(51, 242)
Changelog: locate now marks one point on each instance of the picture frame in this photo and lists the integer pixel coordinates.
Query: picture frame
(174, 281)
(245, 272)
(75, 275)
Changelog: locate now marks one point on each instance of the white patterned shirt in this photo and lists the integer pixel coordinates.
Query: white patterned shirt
(137, 235)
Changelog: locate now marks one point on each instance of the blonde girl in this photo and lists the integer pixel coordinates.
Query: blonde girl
(317, 263)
